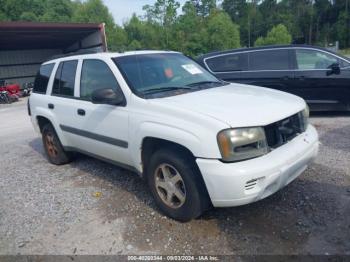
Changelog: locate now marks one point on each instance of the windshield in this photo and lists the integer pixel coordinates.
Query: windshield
(164, 72)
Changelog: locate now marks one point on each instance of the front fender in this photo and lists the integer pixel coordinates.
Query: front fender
(165, 132)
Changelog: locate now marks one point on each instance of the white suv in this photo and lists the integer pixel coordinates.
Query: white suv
(198, 141)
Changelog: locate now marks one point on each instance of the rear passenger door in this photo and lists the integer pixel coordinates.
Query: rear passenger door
(269, 68)
(100, 129)
(61, 102)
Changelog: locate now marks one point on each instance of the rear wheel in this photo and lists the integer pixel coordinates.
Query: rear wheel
(53, 147)
(175, 183)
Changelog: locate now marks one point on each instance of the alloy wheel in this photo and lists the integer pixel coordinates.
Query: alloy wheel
(170, 186)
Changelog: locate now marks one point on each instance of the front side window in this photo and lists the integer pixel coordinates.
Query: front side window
(164, 72)
(312, 59)
(42, 78)
(269, 60)
(65, 78)
(95, 74)
(228, 63)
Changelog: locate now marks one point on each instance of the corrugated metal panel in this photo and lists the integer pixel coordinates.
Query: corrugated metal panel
(18, 71)
(21, 66)
(26, 56)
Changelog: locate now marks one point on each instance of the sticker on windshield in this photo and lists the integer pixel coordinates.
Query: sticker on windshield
(192, 69)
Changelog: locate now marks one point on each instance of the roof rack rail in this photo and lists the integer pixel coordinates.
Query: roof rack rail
(79, 52)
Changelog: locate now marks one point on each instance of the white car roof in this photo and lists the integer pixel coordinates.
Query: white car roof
(107, 55)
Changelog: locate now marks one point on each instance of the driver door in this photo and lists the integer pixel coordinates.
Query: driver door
(314, 83)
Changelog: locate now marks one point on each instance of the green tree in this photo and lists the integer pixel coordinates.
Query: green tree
(307, 21)
(142, 34)
(135, 45)
(278, 35)
(222, 32)
(57, 11)
(342, 29)
(93, 11)
(12, 9)
(247, 15)
(164, 14)
(28, 16)
(118, 39)
(204, 7)
(189, 41)
(37, 10)
(3, 17)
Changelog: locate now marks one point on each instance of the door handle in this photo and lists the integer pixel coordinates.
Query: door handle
(81, 112)
(285, 78)
(302, 78)
(51, 106)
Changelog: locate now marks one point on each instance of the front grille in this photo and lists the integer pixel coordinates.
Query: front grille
(279, 133)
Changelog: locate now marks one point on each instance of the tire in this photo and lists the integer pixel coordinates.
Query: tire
(7, 99)
(191, 198)
(53, 147)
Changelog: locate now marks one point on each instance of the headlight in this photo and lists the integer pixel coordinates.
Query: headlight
(305, 114)
(242, 143)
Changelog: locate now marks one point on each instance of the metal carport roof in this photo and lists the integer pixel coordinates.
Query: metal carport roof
(32, 35)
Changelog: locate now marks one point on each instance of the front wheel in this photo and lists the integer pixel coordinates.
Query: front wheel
(175, 183)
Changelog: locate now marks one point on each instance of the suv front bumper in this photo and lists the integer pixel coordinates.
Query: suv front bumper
(235, 184)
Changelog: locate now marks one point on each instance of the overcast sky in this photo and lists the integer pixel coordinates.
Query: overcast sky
(123, 9)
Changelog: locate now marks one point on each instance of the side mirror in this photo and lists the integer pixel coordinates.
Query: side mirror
(333, 69)
(108, 96)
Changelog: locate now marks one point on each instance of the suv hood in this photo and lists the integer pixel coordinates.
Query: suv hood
(239, 105)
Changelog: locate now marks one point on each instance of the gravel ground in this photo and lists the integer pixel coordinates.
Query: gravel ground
(90, 207)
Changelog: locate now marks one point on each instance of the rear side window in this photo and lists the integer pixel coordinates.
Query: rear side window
(228, 63)
(269, 60)
(65, 78)
(42, 78)
(95, 74)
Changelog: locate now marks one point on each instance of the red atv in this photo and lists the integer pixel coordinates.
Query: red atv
(13, 91)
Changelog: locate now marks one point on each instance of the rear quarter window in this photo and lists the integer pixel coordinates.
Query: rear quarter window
(42, 78)
(228, 63)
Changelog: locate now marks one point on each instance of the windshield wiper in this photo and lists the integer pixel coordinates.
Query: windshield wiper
(205, 83)
(164, 89)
